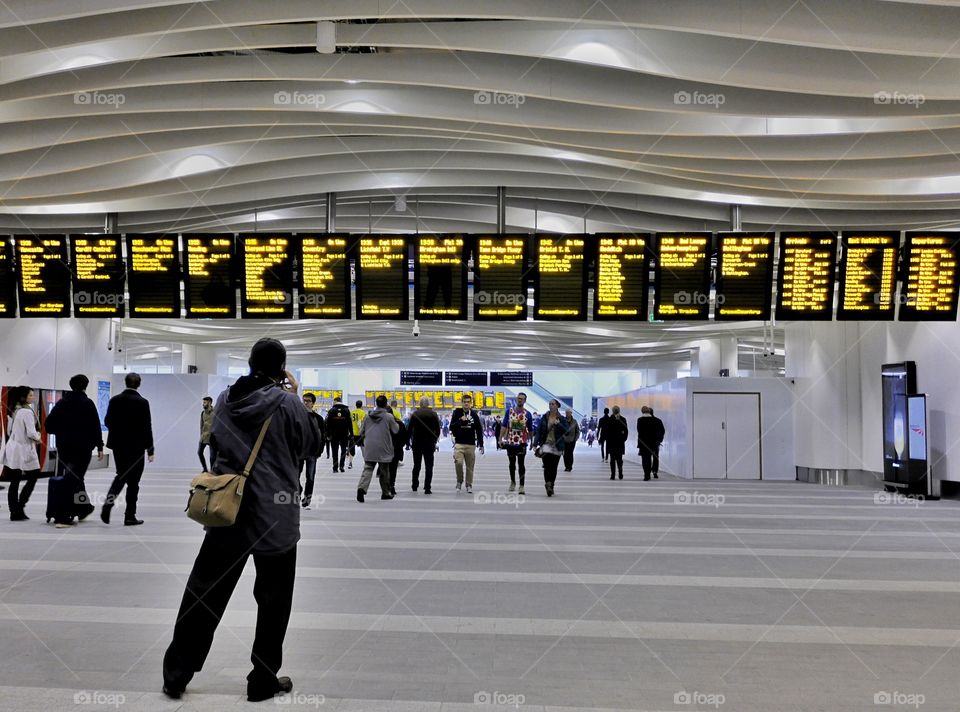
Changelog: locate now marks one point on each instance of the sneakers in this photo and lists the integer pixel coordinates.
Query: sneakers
(469, 489)
(520, 491)
(459, 485)
(350, 466)
(513, 486)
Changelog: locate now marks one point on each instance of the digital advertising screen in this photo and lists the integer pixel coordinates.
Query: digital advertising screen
(382, 277)
(324, 277)
(868, 275)
(682, 276)
(153, 276)
(622, 277)
(43, 284)
(8, 279)
(440, 277)
(807, 270)
(744, 276)
(929, 291)
(208, 276)
(898, 380)
(266, 290)
(560, 278)
(97, 265)
(500, 278)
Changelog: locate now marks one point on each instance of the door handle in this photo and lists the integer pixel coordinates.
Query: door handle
(723, 425)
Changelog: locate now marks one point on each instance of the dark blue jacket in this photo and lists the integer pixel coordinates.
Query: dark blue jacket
(559, 431)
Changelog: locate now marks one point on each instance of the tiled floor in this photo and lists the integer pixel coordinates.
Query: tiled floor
(612, 595)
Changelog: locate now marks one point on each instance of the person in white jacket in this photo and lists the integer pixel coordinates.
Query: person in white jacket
(20, 455)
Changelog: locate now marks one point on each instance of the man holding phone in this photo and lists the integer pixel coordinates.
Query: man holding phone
(467, 432)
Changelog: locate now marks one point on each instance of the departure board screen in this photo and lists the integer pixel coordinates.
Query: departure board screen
(622, 277)
(324, 282)
(266, 291)
(930, 277)
(153, 276)
(382, 277)
(807, 269)
(868, 275)
(500, 278)
(208, 277)
(97, 275)
(440, 286)
(44, 277)
(682, 276)
(8, 280)
(744, 276)
(560, 278)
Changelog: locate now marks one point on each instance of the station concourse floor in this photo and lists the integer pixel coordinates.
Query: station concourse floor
(626, 595)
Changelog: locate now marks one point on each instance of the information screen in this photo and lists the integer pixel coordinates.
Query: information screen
(682, 276)
(622, 277)
(324, 282)
(930, 277)
(266, 291)
(807, 269)
(744, 276)
(511, 378)
(382, 277)
(8, 280)
(440, 287)
(421, 378)
(153, 276)
(868, 275)
(560, 278)
(208, 277)
(44, 277)
(465, 378)
(97, 275)
(500, 278)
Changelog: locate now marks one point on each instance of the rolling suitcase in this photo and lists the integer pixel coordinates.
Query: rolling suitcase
(61, 488)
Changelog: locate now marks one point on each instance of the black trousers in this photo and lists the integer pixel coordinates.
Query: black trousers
(515, 460)
(550, 464)
(213, 455)
(423, 453)
(214, 576)
(17, 498)
(568, 455)
(73, 466)
(340, 446)
(650, 458)
(603, 449)
(129, 471)
(616, 462)
(394, 466)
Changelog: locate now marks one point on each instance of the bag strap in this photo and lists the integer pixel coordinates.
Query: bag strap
(256, 448)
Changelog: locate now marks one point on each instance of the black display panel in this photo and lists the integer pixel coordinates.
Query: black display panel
(560, 278)
(465, 378)
(382, 277)
(930, 277)
(97, 267)
(500, 278)
(440, 284)
(208, 276)
(682, 276)
(324, 277)
(623, 277)
(421, 378)
(516, 379)
(8, 279)
(868, 275)
(744, 276)
(153, 276)
(266, 288)
(43, 285)
(807, 268)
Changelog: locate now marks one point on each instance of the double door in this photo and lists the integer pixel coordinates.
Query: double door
(726, 436)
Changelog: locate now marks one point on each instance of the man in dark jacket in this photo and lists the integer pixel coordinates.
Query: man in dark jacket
(467, 432)
(650, 433)
(424, 434)
(310, 462)
(616, 433)
(206, 422)
(602, 434)
(400, 440)
(339, 430)
(76, 424)
(267, 526)
(130, 433)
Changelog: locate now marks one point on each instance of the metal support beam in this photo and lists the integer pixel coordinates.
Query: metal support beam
(736, 221)
(111, 223)
(501, 209)
(331, 212)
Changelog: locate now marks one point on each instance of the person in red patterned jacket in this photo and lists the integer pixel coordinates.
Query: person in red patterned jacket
(516, 434)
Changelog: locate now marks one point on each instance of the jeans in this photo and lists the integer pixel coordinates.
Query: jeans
(464, 455)
(568, 455)
(515, 459)
(213, 455)
(129, 471)
(424, 452)
(16, 498)
(310, 466)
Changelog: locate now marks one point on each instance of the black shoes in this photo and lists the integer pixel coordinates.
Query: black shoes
(105, 513)
(305, 502)
(19, 517)
(646, 479)
(360, 494)
(621, 475)
(172, 692)
(612, 477)
(284, 685)
(386, 495)
(132, 522)
(655, 476)
(426, 491)
(549, 487)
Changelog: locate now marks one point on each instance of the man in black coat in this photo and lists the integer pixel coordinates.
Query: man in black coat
(650, 433)
(602, 433)
(425, 431)
(339, 432)
(130, 433)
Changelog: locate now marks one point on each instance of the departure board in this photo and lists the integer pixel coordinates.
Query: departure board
(324, 281)
(807, 269)
(868, 275)
(153, 276)
(382, 277)
(560, 278)
(208, 276)
(744, 276)
(930, 277)
(97, 262)
(266, 290)
(682, 276)
(44, 277)
(500, 278)
(622, 277)
(8, 279)
(440, 284)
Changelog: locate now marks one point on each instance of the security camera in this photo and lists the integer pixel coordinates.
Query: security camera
(416, 328)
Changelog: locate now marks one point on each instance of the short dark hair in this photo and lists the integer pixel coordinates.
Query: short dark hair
(79, 382)
(268, 357)
(313, 398)
(381, 401)
(359, 404)
(132, 380)
(521, 393)
(208, 398)
(467, 396)
(606, 411)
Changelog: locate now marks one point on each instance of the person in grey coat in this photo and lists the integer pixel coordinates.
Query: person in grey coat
(376, 436)
(267, 526)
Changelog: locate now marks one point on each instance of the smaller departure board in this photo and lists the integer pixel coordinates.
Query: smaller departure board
(500, 278)
(622, 277)
(44, 275)
(8, 279)
(682, 276)
(266, 290)
(209, 276)
(560, 278)
(97, 265)
(153, 275)
(930, 277)
(323, 284)
(806, 272)
(440, 282)
(744, 276)
(383, 277)
(868, 275)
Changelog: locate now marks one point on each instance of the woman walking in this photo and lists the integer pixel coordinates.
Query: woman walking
(23, 464)
(549, 443)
